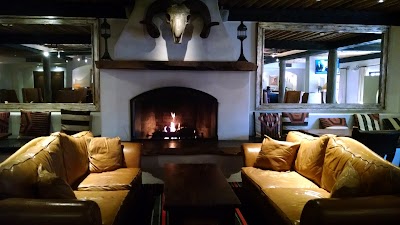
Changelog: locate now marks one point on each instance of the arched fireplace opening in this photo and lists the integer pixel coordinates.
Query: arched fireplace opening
(174, 113)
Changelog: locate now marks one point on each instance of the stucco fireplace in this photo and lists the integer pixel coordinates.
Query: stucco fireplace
(174, 113)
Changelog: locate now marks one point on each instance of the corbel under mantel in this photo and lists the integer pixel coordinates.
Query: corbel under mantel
(177, 65)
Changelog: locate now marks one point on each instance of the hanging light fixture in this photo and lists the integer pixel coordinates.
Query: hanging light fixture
(105, 33)
(241, 35)
(58, 54)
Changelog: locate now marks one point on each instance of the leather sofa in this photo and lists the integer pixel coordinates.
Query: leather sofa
(332, 180)
(101, 198)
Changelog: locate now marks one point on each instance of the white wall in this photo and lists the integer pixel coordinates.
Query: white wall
(393, 78)
(234, 90)
(230, 88)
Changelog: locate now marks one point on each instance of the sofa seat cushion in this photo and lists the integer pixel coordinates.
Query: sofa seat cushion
(110, 202)
(120, 179)
(274, 179)
(289, 202)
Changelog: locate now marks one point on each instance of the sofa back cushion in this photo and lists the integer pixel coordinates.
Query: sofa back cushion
(365, 121)
(377, 176)
(4, 121)
(18, 174)
(297, 136)
(76, 159)
(391, 123)
(267, 124)
(34, 124)
(294, 121)
(310, 158)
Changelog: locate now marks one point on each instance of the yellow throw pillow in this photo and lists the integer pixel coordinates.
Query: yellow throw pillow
(105, 154)
(49, 185)
(276, 155)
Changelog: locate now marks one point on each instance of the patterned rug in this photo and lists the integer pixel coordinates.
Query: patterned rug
(160, 217)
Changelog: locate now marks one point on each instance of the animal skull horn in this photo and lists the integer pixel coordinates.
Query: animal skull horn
(178, 16)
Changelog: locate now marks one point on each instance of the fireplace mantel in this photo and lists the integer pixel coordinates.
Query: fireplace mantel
(176, 65)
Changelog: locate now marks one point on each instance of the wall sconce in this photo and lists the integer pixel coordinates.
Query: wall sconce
(105, 33)
(241, 35)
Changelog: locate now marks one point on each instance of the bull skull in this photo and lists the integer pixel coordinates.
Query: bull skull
(178, 16)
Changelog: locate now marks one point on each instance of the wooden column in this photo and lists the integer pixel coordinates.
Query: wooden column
(307, 75)
(47, 78)
(282, 80)
(332, 72)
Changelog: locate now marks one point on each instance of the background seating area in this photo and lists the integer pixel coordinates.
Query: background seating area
(277, 124)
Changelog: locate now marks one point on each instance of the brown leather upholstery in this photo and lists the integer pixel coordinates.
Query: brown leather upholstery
(292, 97)
(356, 211)
(290, 198)
(33, 95)
(9, 96)
(112, 192)
(72, 96)
(19, 211)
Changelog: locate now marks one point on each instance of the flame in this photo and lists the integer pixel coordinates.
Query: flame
(172, 125)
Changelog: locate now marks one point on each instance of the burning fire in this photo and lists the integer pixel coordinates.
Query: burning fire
(172, 127)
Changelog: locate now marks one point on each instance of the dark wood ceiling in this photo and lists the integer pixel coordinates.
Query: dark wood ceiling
(326, 11)
(303, 11)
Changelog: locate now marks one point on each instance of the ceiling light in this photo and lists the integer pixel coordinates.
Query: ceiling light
(46, 53)
(58, 54)
(380, 1)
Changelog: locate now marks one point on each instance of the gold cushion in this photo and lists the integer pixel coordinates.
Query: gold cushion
(120, 179)
(75, 155)
(310, 158)
(18, 174)
(109, 202)
(377, 176)
(105, 154)
(275, 179)
(348, 184)
(276, 155)
(49, 185)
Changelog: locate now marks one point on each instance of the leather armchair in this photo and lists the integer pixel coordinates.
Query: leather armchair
(382, 142)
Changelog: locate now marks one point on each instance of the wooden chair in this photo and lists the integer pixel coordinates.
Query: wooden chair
(292, 97)
(32, 95)
(9, 96)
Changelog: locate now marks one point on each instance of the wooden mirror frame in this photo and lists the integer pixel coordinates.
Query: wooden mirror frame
(349, 28)
(94, 23)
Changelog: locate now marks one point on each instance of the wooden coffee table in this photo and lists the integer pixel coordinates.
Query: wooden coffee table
(198, 192)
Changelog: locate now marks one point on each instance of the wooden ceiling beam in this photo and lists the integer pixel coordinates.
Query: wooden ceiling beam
(47, 39)
(355, 41)
(297, 45)
(314, 16)
(72, 9)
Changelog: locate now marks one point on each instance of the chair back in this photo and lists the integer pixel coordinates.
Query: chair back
(382, 142)
(33, 95)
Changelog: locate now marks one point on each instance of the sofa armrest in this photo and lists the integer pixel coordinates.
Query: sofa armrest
(383, 209)
(132, 154)
(250, 153)
(22, 211)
